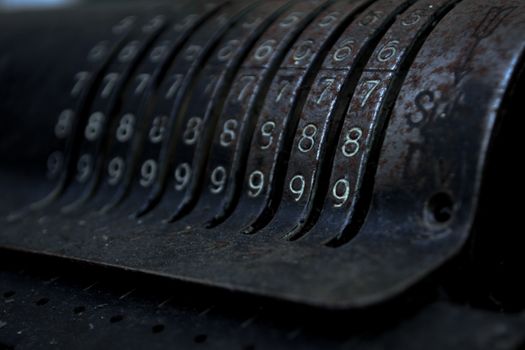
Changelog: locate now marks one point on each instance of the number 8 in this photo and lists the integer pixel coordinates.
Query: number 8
(351, 146)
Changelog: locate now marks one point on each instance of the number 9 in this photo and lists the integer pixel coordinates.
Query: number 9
(256, 183)
(148, 171)
(341, 196)
(182, 176)
(297, 190)
(218, 180)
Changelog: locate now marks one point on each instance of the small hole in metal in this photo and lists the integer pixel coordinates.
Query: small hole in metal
(440, 208)
(158, 328)
(43, 301)
(9, 294)
(201, 338)
(79, 310)
(116, 318)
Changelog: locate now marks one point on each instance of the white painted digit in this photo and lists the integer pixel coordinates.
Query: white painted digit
(267, 134)
(292, 19)
(94, 126)
(192, 52)
(158, 128)
(351, 144)
(84, 168)
(143, 80)
(182, 176)
(192, 132)
(227, 51)
(174, 87)
(388, 51)
(304, 50)
(218, 180)
(344, 50)
(54, 164)
(98, 52)
(154, 24)
(297, 185)
(372, 84)
(115, 170)
(125, 128)
(329, 19)
(284, 86)
(129, 52)
(109, 82)
(341, 192)
(228, 134)
(249, 79)
(255, 22)
(64, 124)
(148, 173)
(307, 140)
(124, 25)
(80, 83)
(159, 52)
(328, 82)
(412, 18)
(186, 23)
(265, 50)
(256, 183)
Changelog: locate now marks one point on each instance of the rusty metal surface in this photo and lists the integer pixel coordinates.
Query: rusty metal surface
(372, 164)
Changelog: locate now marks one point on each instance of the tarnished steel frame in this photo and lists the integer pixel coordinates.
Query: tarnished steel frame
(482, 47)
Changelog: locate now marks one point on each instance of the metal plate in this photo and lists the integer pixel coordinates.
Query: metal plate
(424, 90)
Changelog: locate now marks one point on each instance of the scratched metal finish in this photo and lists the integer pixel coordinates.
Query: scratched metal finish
(417, 198)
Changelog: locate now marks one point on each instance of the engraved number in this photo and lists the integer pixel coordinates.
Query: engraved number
(344, 50)
(158, 128)
(84, 167)
(256, 183)
(148, 173)
(388, 51)
(125, 127)
(265, 49)
(297, 185)
(192, 132)
(218, 180)
(64, 123)
(228, 133)
(372, 84)
(174, 86)
(351, 145)
(115, 170)
(307, 140)
(182, 176)
(341, 192)
(267, 134)
(94, 126)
